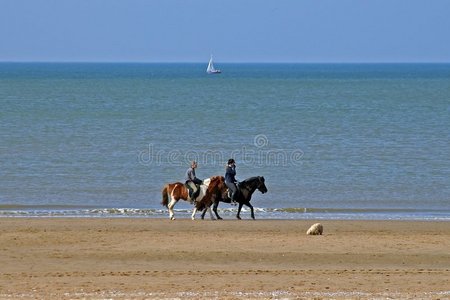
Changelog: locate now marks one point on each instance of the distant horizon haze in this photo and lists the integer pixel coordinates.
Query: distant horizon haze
(251, 31)
(229, 62)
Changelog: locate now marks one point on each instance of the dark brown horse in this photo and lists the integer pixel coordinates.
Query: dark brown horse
(218, 192)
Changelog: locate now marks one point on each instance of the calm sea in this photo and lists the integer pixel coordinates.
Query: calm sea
(334, 141)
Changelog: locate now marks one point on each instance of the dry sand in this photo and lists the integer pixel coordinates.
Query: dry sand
(157, 258)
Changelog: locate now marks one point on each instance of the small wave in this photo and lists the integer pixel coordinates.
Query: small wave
(292, 213)
(72, 211)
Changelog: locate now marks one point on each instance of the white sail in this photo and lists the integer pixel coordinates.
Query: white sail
(210, 66)
(210, 69)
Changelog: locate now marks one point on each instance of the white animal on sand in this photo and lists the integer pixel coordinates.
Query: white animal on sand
(316, 229)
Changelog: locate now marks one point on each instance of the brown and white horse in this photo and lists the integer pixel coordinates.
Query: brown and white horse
(172, 192)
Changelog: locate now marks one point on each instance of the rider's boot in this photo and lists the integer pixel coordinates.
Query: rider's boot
(195, 195)
(233, 198)
(190, 196)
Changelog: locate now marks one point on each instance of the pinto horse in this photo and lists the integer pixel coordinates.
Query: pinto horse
(172, 192)
(217, 192)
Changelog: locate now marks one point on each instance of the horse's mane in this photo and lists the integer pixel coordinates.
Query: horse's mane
(212, 190)
(250, 179)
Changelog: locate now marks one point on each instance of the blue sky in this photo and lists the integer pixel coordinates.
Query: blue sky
(233, 30)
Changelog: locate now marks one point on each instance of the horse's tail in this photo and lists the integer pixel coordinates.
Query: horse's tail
(165, 195)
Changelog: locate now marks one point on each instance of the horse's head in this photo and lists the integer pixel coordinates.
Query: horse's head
(222, 189)
(261, 185)
(216, 190)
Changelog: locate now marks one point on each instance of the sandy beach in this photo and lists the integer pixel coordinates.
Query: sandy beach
(92, 258)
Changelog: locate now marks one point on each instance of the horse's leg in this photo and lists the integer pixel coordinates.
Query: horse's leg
(215, 205)
(210, 213)
(251, 209)
(170, 206)
(203, 213)
(239, 210)
(193, 213)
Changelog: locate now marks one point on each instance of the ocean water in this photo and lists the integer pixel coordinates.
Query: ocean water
(334, 141)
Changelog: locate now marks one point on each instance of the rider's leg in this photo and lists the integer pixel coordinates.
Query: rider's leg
(233, 189)
(192, 189)
(196, 191)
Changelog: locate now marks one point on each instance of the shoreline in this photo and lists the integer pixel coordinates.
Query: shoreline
(135, 258)
(288, 213)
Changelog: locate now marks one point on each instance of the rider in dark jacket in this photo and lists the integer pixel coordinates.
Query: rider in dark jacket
(230, 179)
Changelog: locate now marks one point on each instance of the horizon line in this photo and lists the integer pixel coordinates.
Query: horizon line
(226, 62)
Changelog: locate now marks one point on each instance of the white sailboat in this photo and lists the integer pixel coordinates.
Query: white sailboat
(210, 69)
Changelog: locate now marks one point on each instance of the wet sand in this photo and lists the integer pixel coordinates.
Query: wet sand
(74, 258)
